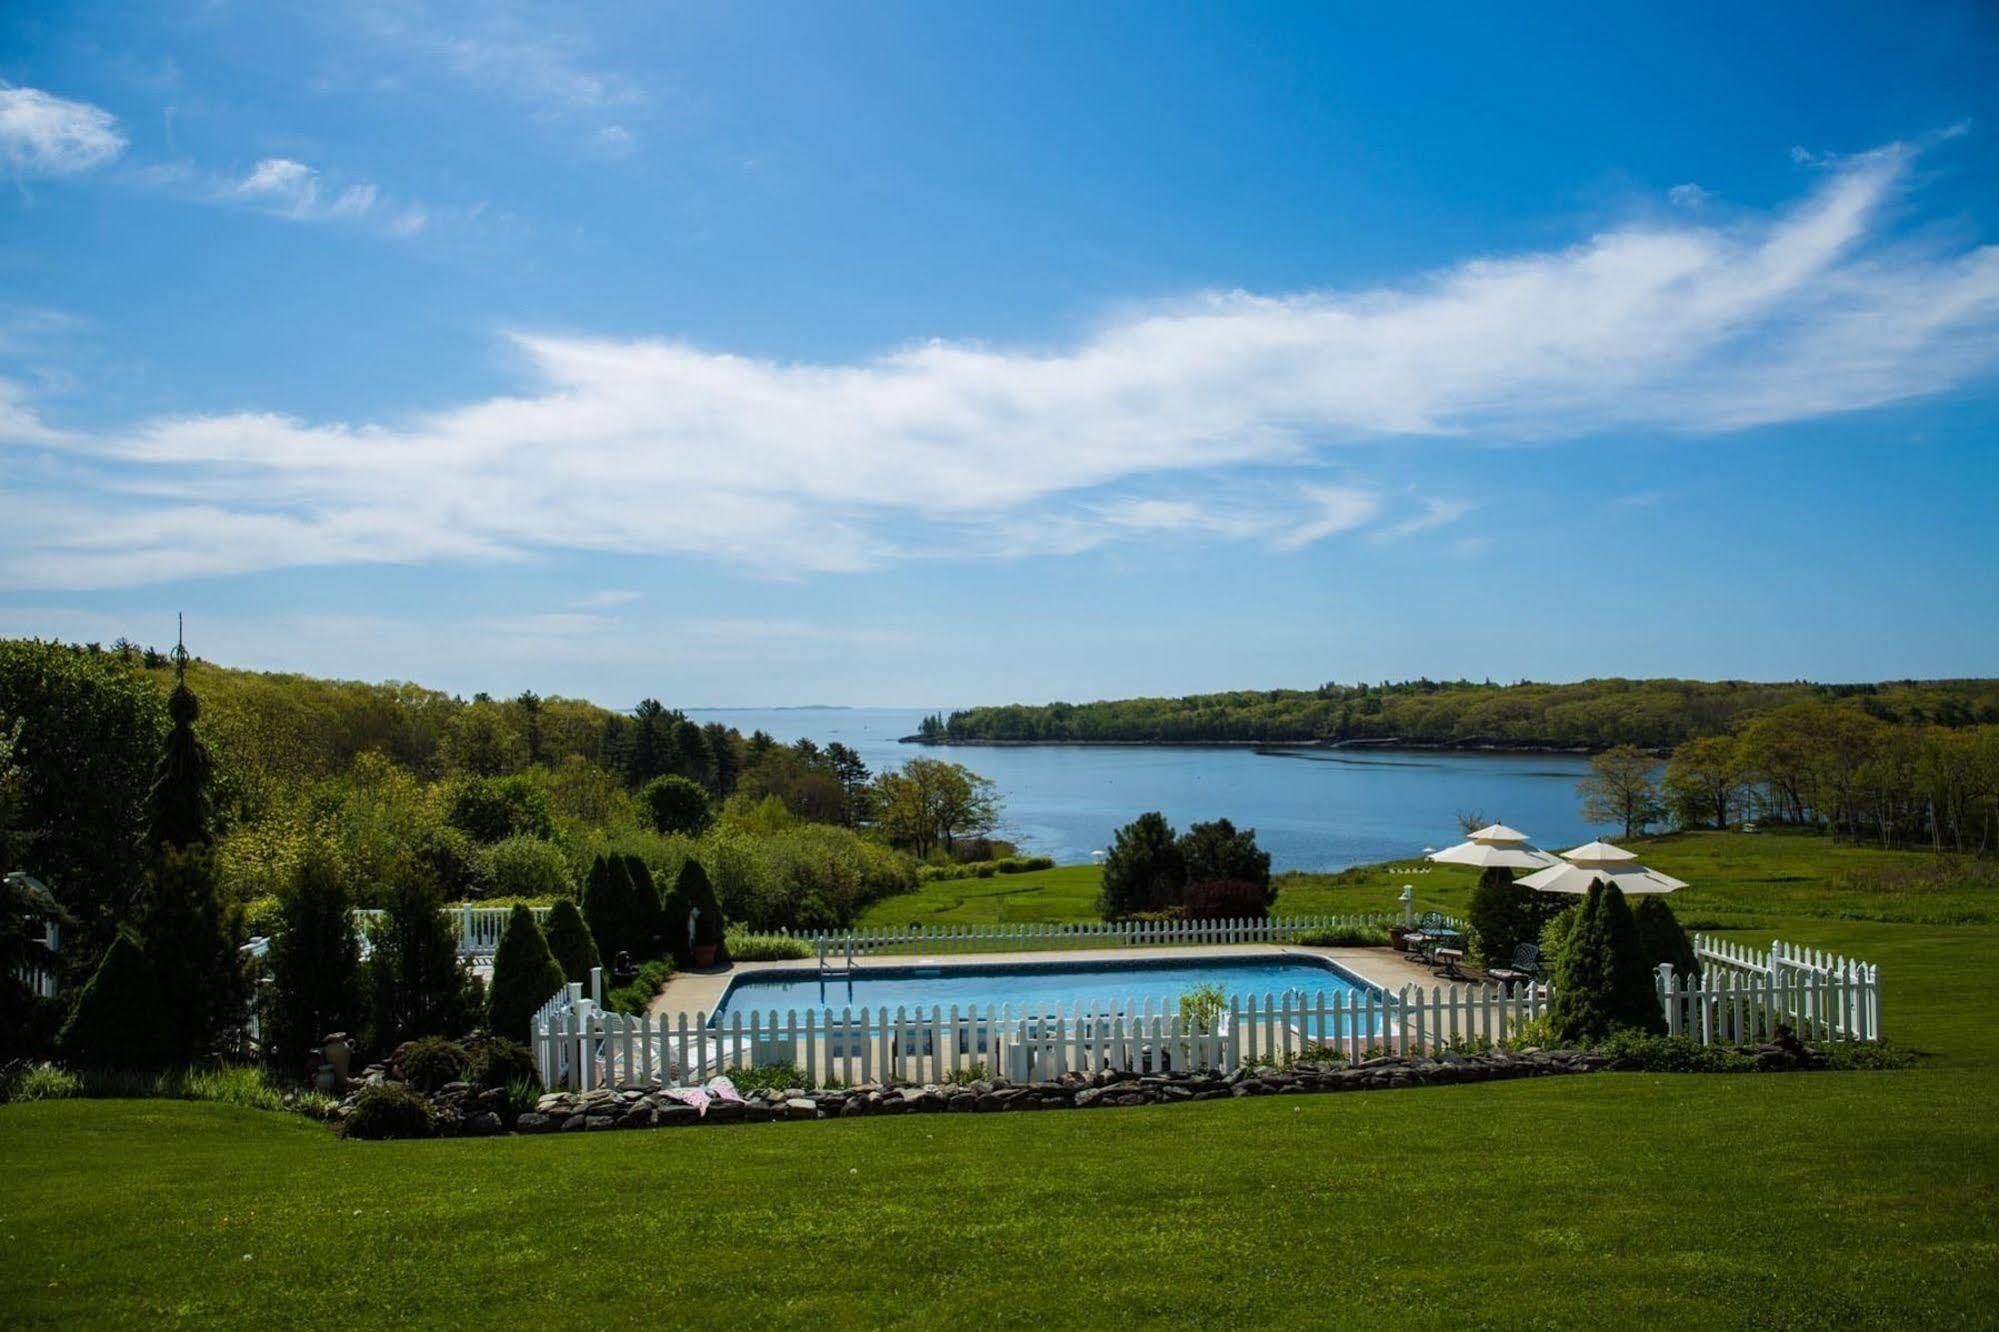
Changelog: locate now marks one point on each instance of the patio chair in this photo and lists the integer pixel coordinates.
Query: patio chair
(1526, 965)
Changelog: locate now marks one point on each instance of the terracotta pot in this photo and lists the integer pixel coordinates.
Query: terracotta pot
(1398, 935)
(704, 955)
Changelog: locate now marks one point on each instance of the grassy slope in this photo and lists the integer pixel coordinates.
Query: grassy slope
(1837, 1197)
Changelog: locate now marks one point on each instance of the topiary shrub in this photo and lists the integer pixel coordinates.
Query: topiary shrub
(429, 1063)
(648, 917)
(388, 1110)
(1660, 938)
(117, 1020)
(570, 943)
(1229, 899)
(1555, 934)
(1601, 980)
(500, 1062)
(525, 974)
(697, 897)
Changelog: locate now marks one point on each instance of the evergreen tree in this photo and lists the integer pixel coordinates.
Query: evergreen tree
(416, 985)
(1504, 915)
(1144, 870)
(648, 918)
(315, 963)
(616, 909)
(570, 943)
(525, 974)
(1601, 981)
(1216, 852)
(178, 810)
(191, 940)
(117, 1019)
(1660, 938)
(697, 896)
(189, 937)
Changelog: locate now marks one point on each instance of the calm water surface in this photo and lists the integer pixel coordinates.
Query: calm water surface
(1038, 989)
(1322, 812)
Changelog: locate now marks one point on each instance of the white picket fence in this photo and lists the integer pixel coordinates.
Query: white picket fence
(1819, 995)
(577, 1044)
(1087, 934)
(479, 927)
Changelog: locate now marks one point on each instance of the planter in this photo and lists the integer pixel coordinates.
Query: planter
(1398, 936)
(704, 955)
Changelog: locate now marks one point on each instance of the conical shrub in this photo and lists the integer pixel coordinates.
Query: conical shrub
(525, 974)
(570, 942)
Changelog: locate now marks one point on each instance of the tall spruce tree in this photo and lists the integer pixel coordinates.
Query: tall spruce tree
(190, 936)
(315, 963)
(178, 808)
(525, 974)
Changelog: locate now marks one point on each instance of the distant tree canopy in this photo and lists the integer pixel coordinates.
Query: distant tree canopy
(1591, 714)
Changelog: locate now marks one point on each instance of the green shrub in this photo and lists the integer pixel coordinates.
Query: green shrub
(617, 918)
(315, 963)
(40, 1082)
(117, 1019)
(1503, 915)
(1673, 1054)
(1660, 938)
(634, 999)
(1601, 981)
(492, 809)
(570, 943)
(677, 805)
(1344, 936)
(529, 868)
(975, 1071)
(523, 1095)
(525, 974)
(500, 1062)
(767, 1077)
(744, 947)
(432, 1061)
(704, 911)
(1555, 934)
(1203, 1004)
(388, 1110)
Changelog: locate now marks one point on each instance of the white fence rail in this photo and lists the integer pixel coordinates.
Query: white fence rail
(1087, 934)
(479, 927)
(1741, 997)
(578, 1044)
(1809, 989)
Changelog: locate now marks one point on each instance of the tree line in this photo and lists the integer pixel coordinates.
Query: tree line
(1588, 715)
(1817, 764)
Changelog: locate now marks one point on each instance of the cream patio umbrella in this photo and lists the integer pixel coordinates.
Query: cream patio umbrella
(1495, 846)
(1580, 868)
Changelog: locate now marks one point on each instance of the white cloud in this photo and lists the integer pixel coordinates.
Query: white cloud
(606, 599)
(1148, 425)
(1435, 513)
(1688, 195)
(44, 135)
(291, 189)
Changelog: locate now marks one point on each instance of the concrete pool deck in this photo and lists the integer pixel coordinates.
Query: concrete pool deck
(696, 992)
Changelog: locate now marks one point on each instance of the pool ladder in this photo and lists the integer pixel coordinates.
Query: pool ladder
(848, 970)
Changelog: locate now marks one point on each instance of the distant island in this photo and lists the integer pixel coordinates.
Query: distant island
(1457, 714)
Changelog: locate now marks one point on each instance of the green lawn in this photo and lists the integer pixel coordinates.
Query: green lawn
(1813, 1199)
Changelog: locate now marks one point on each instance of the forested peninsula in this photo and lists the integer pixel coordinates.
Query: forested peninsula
(1587, 715)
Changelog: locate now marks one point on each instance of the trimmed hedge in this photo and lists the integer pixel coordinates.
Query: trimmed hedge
(525, 974)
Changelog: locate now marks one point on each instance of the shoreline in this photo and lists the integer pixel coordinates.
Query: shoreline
(1335, 746)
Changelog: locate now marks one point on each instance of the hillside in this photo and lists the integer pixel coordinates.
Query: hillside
(1590, 714)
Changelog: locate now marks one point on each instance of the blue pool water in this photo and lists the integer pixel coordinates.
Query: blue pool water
(1037, 986)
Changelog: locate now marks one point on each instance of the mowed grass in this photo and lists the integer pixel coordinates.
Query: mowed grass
(1824, 1199)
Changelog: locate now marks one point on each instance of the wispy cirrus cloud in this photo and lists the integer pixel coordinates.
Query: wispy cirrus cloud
(1212, 417)
(45, 135)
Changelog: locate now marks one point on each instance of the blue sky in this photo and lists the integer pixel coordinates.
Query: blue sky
(933, 355)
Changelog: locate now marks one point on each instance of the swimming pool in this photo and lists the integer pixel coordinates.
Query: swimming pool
(1040, 987)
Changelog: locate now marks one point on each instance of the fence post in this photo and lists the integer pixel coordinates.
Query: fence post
(1664, 981)
(597, 986)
